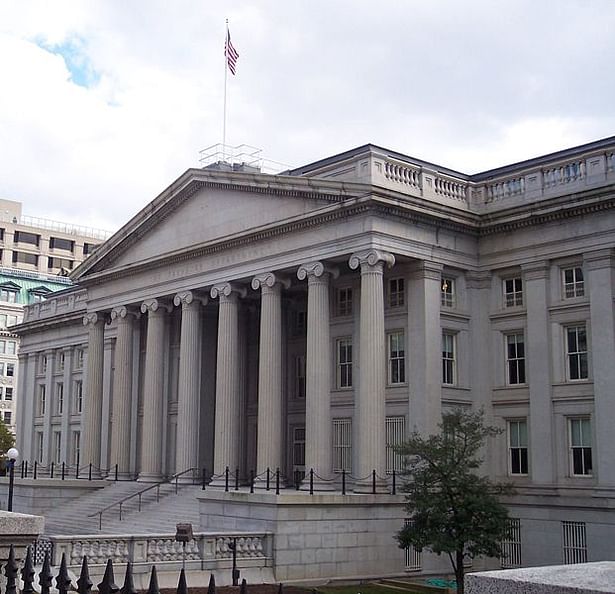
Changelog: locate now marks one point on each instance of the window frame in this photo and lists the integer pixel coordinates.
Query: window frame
(514, 297)
(522, 448)
(449, 363)
(586, 469)
(343, 301)
(396, 364)
(580, 356)
(341, 447)
(396, 294)
(516, 363)
(448, 293)
(343, 371)
(575, 288)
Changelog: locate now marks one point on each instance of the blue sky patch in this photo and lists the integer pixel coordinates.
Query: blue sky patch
(73, 51)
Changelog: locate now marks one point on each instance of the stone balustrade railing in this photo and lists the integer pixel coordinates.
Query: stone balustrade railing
(162, 548)
(72, 302)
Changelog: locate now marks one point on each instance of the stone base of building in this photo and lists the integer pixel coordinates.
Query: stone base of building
(320, 536)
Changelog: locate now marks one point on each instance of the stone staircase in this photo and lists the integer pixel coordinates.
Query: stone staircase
(76, 516)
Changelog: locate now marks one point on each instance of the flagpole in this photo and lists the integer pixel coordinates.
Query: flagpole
(224, 111)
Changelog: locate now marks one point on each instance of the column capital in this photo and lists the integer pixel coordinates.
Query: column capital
(122, 312)
(268, 280)
(94, 318)
(185, 298)
(225, 291)
(311, 270)
(155, 306)
(370, 259)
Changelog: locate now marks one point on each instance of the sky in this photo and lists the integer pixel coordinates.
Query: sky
(104, 103)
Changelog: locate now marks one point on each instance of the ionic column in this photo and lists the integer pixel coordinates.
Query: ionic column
(189, 389)
(122, 393)
(94, 392)
(153, 390)
(370, 402)
(227, 421)
(270, 424)
(318, 375)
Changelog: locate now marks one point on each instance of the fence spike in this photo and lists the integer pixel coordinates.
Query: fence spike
(45, 577)
(243, 589)
(211, 588)
(27, 574)
(129, 585)
(182, 587)
(108, 585)
(10, 571)
(153, 582)
(63, 579)
(84, 583)
(280, 588)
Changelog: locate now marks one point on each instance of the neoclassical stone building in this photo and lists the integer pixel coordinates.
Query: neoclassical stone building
(311, 320)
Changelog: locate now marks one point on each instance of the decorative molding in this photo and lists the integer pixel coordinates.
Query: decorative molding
(155, 306)
(316, 269)
(371, 257)
(225, 290)
(122, 312)
(185, 298)
(269, 280)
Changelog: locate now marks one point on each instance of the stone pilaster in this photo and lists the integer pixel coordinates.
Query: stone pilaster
(599, 270)
(318, 375)
(227, 414)
(93, 397)
(370, 402)
(122, 393)
(68, 399)
(153, 390)
(270, 424)
(49, 409)
(189, 388)
(535, 277)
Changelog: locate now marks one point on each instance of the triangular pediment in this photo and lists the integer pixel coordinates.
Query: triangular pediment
(204, 207)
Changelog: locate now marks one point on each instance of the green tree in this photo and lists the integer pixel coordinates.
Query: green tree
(452, 509)
(7, 441)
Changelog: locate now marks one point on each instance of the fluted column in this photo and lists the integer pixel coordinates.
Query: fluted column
(189, 389)
(122, 393)
(370, 402)
(90, 454)
(318, 375)
(270, 424)
(153, 390)
(227, 421)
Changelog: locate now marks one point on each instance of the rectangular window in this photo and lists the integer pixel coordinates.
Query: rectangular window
(397, 357)
(61, 360)
(58, 243)
(511, 545)
(515, 359)
(343, 304)
(395, 436)
(76, 447)
(42, 396)
(414, 557)
(517, 447)
(78, 397)
(54, 263)
(342, 445)
(8, 417)
(300, 376)
(23, 258)
(397, 292)
(344, 363)
(25, 237)
(10, 369)
(2, 347)
(299, 322)
(448, 359)
(8, 295)
(88, 248)
(1, 368)
(580, 440)
(574, 284)
(8, 393)
(448, 292)
(3, 320)
(57, 447)
(39, 446)
(513, 292)
(59, 398)
(576, 352)
(11, 347)
(299, 449)
(11, 320)
(574, 542)
(79, 359)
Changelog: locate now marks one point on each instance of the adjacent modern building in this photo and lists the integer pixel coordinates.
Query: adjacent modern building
(311, 320)
(36, 257)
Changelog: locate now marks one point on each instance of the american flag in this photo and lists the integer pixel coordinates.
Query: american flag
(231, 53)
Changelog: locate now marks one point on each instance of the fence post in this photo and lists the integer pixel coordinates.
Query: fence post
(90, 472)
(277, 481)
(22, 463)
(10, 571)
(176, 483)
(267, 488)
(226, 471)
(35, 468)
(63, 470)
(45, 577)
(394, 485)
(84, 583)
(52, 467)
(343, 482)
(311, 481)
(373, 482)
(153, 582)
(237, 479)
(77, 471)
(27, 574)
(204, 479)
(251, 481)
(116, 473)
(63, 579)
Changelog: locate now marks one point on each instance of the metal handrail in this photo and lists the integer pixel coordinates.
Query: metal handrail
(140, 493)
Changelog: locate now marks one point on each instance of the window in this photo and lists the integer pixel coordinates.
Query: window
(76, 443)
(344, 363)
(59, 398)
(11, 347)
(515, 359)
(395, 435)
(300, 376)
(88, 248)
(58, 243)
(59, 263)
(78, 397)
(397, 357)
(8, 417)
(10, 369)
(511, 545)
(23, 258)
(42, 364)
(343, 304)
(574, 285)
(41, 400)
(342, 445)
(61, 361)
(576, 352)
(513, 292)
(517, 447)
(57, 447)
(580, 440)
(11, 320)
(39, 446)
(414, 557)
(8, 393)
(448, 359)
(79, 359)
(574, 542)
(28, 238)
(8, 295)
(448, 292)
(299, 323)
(397, 292)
